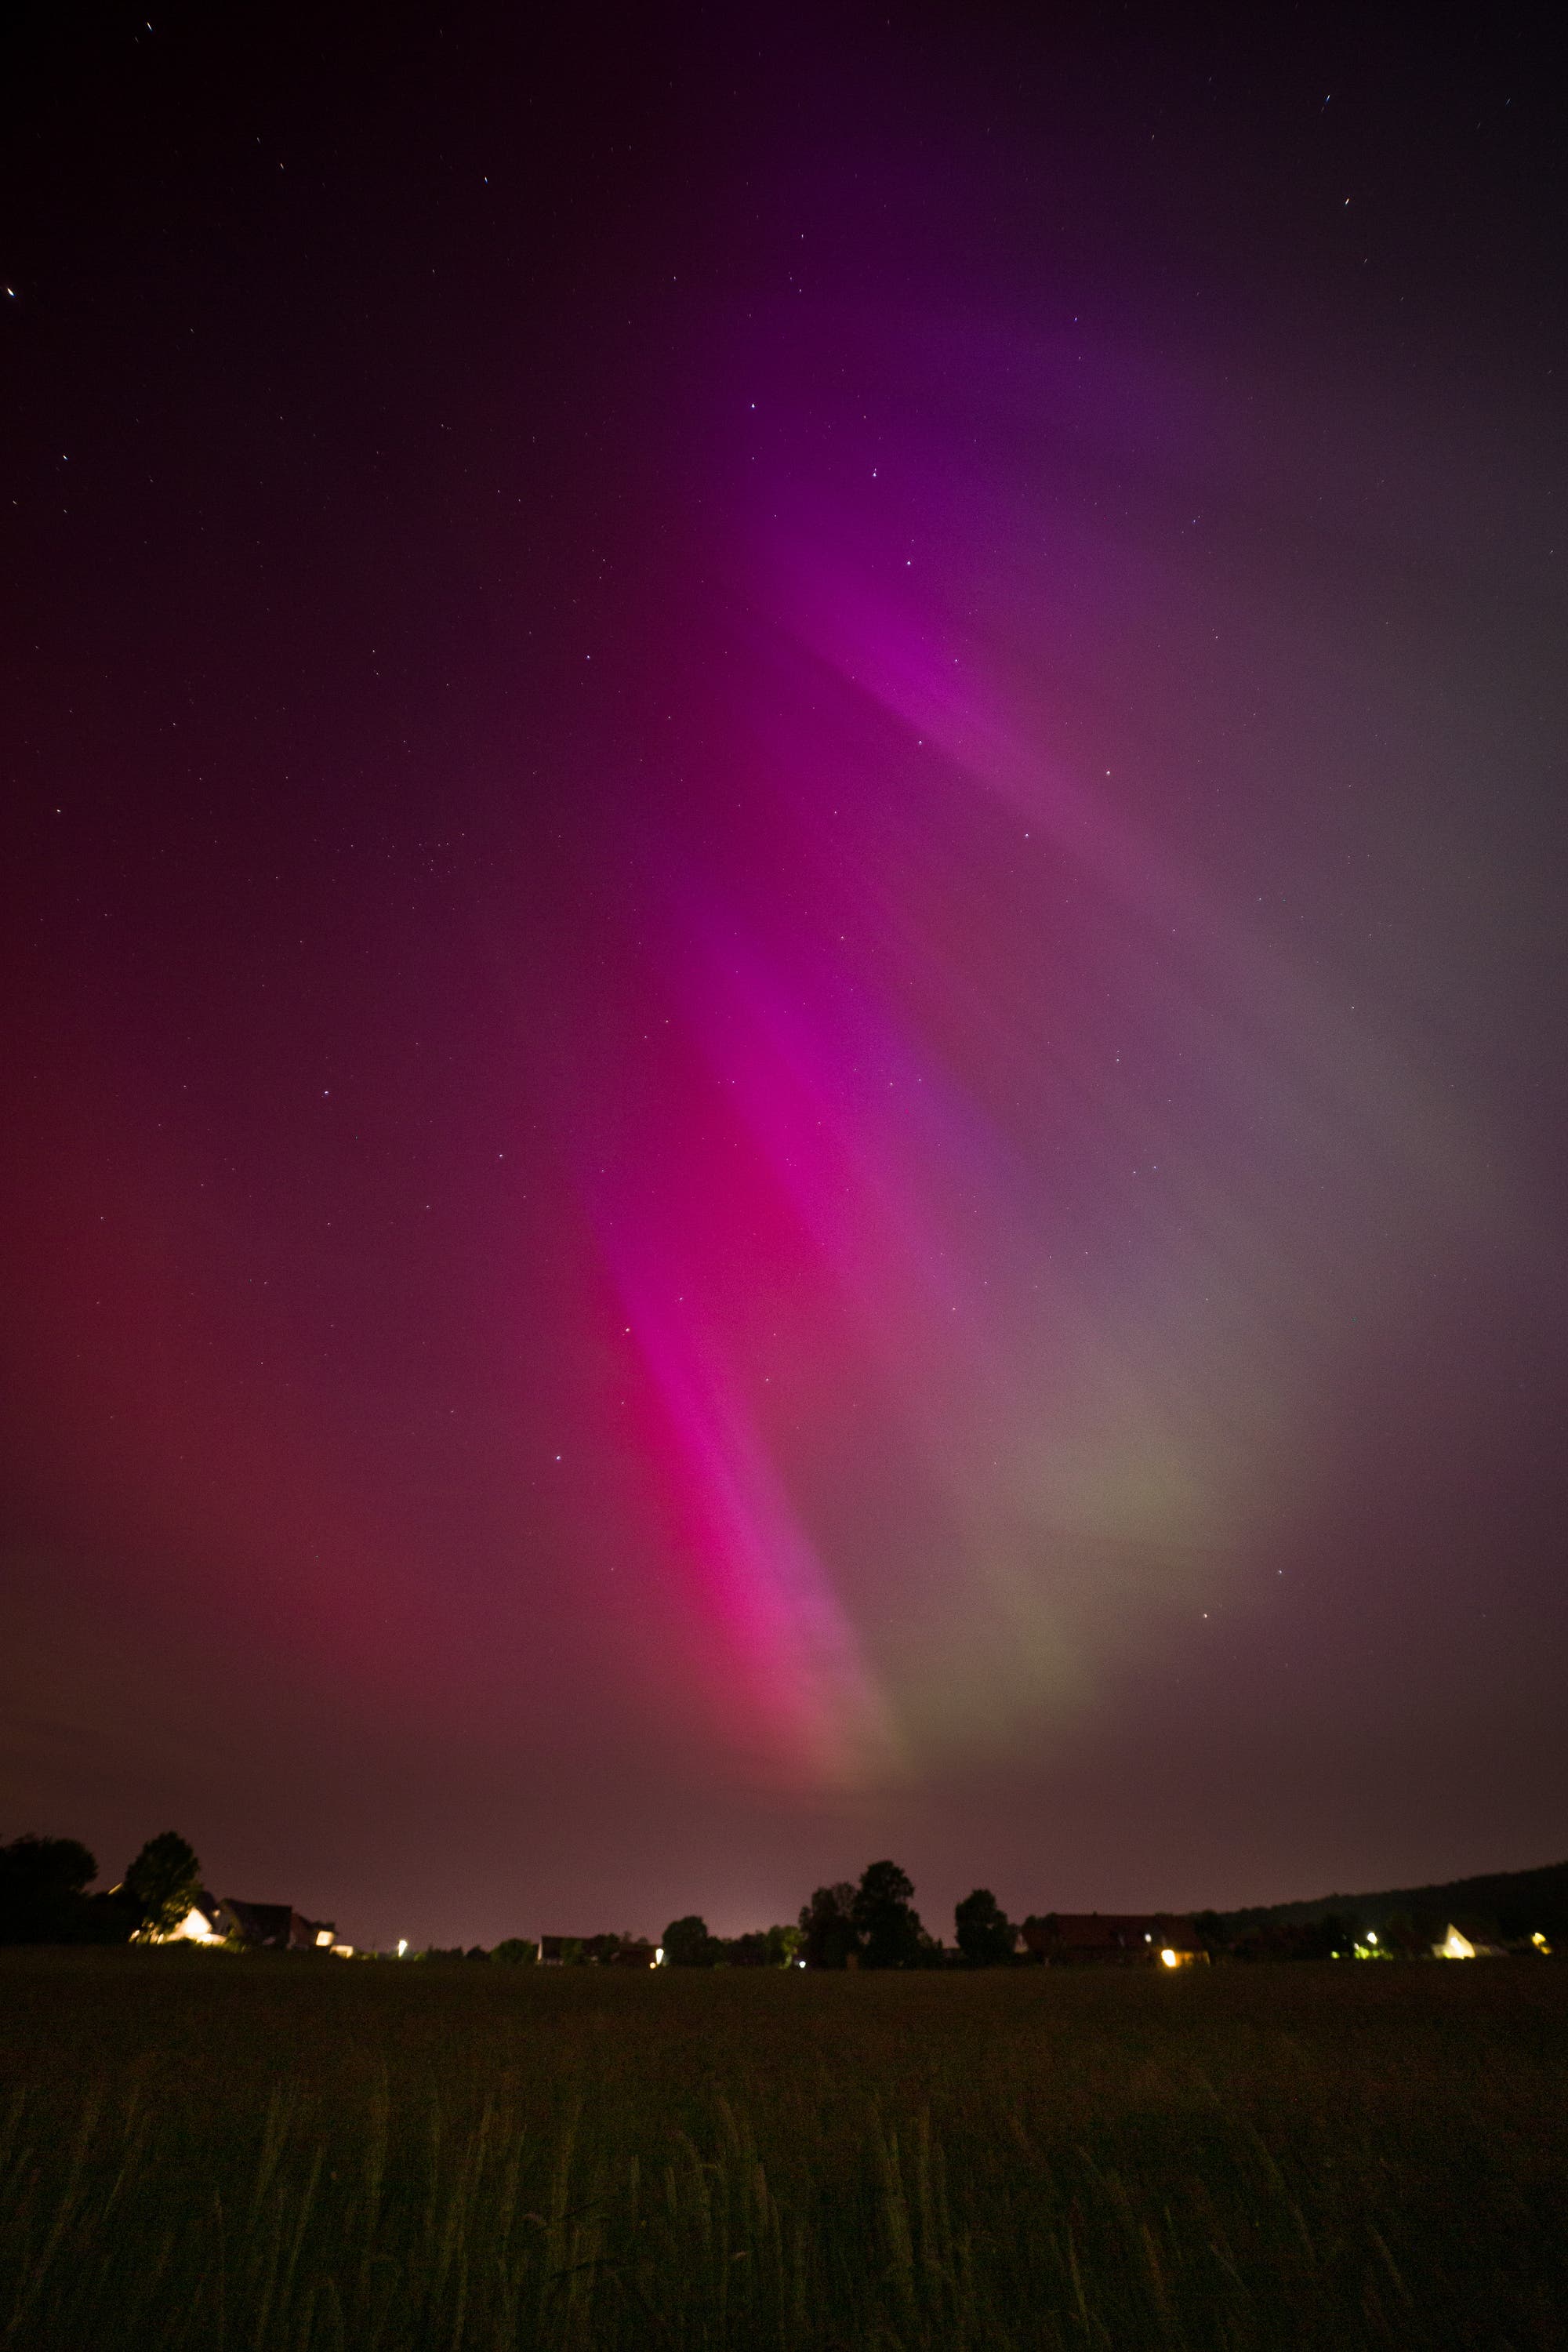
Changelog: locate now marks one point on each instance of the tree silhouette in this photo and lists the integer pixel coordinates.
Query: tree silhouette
(688, 1944)
(829, 1937)
(162, 1882)
(43, 1897)
(884, 1916)
(985, 1934)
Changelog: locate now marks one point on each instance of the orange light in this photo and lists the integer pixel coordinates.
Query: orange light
(1169, 1957)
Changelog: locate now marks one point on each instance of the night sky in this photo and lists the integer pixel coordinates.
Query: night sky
(785, 949)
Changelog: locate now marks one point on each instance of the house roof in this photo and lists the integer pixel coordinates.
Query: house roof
(276, 1924)
(260, 1923)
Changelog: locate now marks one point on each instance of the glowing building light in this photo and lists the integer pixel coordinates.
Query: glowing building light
(323, 1940)
(1372, 1935)
(195, 1928)
(1455, 1947)
(1168, 1956)
(659, 1958)
(1539, 1940)
(402, 1946)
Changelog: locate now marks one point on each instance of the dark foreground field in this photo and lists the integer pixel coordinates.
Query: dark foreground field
(231, 2153)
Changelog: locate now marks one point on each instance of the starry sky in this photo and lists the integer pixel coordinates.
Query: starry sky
(785, 957)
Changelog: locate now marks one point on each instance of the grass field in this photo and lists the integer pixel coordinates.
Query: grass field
(200, 2150)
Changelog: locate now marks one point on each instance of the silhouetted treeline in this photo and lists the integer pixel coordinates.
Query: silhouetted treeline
(872, 1926)
(44, 1897)
(1516, 1904)
(516, 1951)
(687, 1944)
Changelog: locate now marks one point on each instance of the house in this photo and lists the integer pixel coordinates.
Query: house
(1114, 1939)
(199, 1924)
(1473, 1941)
(276, 1927)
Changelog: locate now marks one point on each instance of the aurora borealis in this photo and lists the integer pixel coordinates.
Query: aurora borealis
(784, 964)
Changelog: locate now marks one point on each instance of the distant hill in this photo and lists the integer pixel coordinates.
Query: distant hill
(1519, 1901)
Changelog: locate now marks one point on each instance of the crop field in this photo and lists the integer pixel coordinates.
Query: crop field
(203, 2150)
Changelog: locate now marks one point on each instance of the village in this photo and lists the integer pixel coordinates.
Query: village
(1064, 1939)
(162, 1900)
